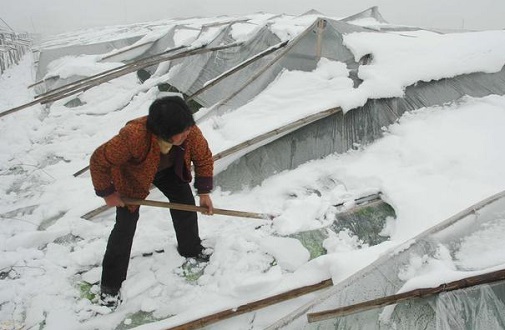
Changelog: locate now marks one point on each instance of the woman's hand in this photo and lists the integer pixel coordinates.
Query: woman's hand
(114, 200)
(206, 202)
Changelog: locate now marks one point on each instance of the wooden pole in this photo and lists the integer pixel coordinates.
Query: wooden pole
(93, 213)
(193, 208)
(181, 207)
(249, 307)
(409, 295)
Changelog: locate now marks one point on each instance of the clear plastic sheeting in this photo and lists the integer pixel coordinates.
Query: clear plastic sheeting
(49, 55)
(191, 73)
(323, 38)
(372, 12)
(185, 72)
(226, 59)
(481, 307)
(471, 308)
(339, 133)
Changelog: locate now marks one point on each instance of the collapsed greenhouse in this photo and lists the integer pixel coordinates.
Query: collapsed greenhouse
(223, 66)
(474, 307)
(223, 78)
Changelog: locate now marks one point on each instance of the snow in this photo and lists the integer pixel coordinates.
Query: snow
(402, 59)
(82, 65)
(431, 164)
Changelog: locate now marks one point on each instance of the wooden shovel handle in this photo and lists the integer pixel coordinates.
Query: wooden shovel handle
(193, 208)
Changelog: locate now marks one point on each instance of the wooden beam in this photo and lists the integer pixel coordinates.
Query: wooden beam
(409, 295)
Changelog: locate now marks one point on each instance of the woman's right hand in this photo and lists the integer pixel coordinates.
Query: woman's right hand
(114, 199)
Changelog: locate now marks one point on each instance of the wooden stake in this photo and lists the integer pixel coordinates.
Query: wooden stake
(249, 307)
(414, 294)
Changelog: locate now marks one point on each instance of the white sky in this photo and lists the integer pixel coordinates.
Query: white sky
(429, 165)
(56, 16)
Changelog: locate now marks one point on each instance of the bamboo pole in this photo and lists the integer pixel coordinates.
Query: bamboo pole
(409, 295)
(193, 208)
(286, 128)
(252, 306)
(260, 138)
(104, 73)
(153, 60)
(52, 96)
(290, 45)
(126, 68)
(86, 82)
(238, 68)
(57, 93)
(81, 171)
(127, 49)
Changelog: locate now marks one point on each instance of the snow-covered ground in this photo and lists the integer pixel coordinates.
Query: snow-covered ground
(431, 164)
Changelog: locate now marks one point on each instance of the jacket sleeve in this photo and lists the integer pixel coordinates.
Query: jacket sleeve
(112, 153)
(201, 157)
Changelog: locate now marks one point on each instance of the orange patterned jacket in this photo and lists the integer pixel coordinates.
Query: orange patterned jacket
(128, 162)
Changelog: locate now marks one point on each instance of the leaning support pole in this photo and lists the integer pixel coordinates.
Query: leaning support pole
(249, 307)
(409, 295)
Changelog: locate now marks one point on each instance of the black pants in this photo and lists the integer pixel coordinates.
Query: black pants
(117, 255)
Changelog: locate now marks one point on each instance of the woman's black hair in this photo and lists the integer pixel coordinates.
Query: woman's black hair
(168, 116)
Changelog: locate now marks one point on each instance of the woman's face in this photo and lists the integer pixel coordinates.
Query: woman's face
(179, 139)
